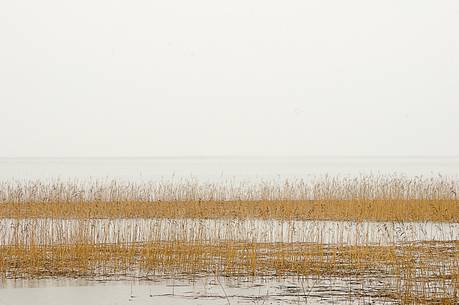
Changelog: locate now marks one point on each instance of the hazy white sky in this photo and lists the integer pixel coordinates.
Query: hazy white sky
(239, 77)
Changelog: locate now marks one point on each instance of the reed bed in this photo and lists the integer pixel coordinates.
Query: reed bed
(397, 240)
(374, 198)
(351, 210)
(49, 231)
(416, 273)
(394, 187)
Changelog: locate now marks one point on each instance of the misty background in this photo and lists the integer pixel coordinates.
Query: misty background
(241, 77)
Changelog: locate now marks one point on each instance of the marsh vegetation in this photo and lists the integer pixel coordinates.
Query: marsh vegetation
(386, 239)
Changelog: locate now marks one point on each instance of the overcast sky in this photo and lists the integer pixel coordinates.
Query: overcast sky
(239, 77)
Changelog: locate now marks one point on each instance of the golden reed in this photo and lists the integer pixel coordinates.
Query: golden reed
(375, 198)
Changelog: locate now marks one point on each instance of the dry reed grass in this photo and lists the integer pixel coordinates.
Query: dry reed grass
(354, 210)
(419, 273)
(376, 198)
(50, 231)
(409, 273)
(393, 187)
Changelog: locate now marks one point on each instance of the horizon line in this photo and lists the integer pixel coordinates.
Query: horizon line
(240, 157)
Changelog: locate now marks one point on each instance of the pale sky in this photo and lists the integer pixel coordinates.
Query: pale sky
(239, 77)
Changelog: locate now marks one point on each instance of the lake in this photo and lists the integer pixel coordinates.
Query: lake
(217, 169)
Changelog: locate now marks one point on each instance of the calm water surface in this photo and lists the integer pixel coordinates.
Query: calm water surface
(214, 169)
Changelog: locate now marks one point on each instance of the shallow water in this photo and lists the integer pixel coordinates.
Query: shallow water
(207, 290)
(52, 231)
(216, 169)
